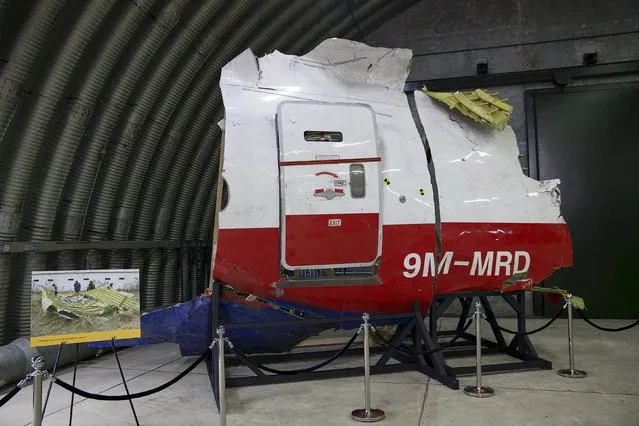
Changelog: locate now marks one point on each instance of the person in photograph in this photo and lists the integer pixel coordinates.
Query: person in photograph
(77, 287)
(91, 286)
(55, 290)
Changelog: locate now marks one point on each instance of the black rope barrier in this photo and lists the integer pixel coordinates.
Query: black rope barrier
(13, 392)
(385, 342)
(160, 388)
(244, 357)
(527, 333)
(613, 330)
(432, 351)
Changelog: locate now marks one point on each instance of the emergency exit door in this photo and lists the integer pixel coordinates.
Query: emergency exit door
(329, 186)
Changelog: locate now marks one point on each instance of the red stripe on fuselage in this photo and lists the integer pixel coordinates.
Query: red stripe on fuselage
(327, 174)
(331, 161)
(248, 259)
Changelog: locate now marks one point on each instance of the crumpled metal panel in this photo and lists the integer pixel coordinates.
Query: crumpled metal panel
(91, 303)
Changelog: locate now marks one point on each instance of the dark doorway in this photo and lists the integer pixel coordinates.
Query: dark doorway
(589, 138)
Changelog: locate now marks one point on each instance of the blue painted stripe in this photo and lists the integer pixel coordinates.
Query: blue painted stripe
(187, 324)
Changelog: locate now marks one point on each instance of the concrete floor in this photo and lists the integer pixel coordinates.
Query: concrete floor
(609, 396)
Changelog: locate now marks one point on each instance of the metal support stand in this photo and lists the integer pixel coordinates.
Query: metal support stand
(478, 391)
(55, 368)
(517, 355)
(367, 414)
(413, 346)
(38, 374)
(571, 373)
(420, 352)
(221, 374)
(75, 372)
(126, 387)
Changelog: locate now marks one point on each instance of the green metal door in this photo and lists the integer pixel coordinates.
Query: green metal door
(589, 138)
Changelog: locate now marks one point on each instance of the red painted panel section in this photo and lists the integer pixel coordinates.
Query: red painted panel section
(310, 240)
(248, 259)
(548, 245)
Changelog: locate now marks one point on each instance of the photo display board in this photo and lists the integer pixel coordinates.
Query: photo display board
(82, 306)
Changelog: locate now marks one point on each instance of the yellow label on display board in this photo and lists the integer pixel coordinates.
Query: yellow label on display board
(95, 336)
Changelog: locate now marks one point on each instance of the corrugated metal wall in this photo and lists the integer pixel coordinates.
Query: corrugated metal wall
(108, 112)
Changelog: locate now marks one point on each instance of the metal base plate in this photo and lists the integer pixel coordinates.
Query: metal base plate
(572, 374)
(479, 392)
(374, 415)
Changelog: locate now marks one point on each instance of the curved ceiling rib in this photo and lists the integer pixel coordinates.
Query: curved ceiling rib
(79, 136)
(108, 121)
(146, 212)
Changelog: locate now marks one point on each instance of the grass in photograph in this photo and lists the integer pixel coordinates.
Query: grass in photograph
(50, 323)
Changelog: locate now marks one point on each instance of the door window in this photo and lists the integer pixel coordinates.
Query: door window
(358, 181)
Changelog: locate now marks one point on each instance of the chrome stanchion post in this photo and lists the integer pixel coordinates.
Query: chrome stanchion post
(478, 391)
(38, 374)
(367, 414)
(221, 374)
(571, 372)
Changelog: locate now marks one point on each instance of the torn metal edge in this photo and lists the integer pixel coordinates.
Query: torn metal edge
(410, 97)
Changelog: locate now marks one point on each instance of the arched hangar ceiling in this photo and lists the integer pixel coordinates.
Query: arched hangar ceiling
(108, 112)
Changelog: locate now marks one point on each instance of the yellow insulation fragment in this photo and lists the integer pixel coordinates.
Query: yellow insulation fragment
(577, 301)
(479, 105)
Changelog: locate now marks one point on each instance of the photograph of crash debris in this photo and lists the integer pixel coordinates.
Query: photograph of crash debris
(84, 306)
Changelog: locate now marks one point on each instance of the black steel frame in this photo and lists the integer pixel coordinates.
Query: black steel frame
(557, 76)
(520, 347)
(414, 336)
(430, 365)
(51, 246)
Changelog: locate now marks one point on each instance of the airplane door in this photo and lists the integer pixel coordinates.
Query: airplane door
(329, 186)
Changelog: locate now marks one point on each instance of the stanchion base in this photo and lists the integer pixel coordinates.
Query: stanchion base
(479, 392)
(374, 415)
(572, 374)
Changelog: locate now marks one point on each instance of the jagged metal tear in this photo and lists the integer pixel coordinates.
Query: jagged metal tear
(410, 97)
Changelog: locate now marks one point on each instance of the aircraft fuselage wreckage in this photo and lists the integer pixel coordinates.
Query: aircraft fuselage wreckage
(342, 194)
